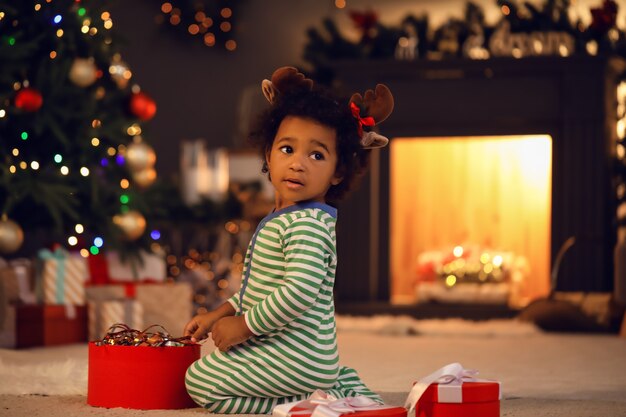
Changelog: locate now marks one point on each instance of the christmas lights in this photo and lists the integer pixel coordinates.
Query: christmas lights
(210, 21)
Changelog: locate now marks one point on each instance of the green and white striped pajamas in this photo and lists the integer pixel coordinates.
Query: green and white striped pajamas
(286, 298)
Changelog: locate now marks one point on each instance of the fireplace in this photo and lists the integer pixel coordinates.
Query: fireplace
(476, 212)
(541, 131)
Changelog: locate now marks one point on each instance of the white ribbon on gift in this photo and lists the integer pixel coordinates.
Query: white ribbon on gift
(321, 404)
(450, 376)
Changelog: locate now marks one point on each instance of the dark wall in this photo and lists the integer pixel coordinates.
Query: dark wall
(197, 89)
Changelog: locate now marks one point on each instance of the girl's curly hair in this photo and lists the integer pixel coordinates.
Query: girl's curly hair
(329, 110)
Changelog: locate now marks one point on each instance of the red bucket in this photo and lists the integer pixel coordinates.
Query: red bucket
(140, 377)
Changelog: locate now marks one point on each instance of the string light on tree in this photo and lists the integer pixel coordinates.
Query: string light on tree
(212, 22)
(120, 73)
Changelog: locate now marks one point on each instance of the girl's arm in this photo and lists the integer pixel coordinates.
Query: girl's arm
(309, 250)
(230, 331)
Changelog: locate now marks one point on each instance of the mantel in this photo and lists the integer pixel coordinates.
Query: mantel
(360, 70)
(527, 95)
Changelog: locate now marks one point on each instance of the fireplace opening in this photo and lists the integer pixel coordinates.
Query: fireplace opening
(469, 219)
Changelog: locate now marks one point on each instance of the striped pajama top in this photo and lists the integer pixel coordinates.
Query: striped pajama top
(286, 294)
(286, 298)
(289, 273)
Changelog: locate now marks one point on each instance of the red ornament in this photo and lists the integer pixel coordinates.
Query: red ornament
(28, 99)
(142, 106)
(366, 22)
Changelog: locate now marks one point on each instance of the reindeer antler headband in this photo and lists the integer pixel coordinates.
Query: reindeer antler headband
(377, 104)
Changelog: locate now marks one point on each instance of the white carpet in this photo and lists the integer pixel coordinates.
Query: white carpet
(405, 325)
(391, 353)
(66, 377)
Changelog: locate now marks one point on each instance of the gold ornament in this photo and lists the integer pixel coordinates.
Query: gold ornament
(145, 177)
(140, 156)
(83, 72)
(11, 235)
(132, 223)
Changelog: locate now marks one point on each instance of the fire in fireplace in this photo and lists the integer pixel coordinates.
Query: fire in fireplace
(470, 219)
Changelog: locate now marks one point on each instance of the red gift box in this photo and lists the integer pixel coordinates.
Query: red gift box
(466, 400)
(140, 377)
(47, 325)
(98, 270)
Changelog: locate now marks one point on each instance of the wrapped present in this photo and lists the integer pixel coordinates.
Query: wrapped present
(98, 270)
(7, 327)
(15, 288)
(3, 306)
(43, 325)
(152, 268)
(114, 370)
(111, 292)
(9, 281)
(320, 403)
(16, 280)
(177, 296)
(454, 392)
(63, 276)
(104, 314)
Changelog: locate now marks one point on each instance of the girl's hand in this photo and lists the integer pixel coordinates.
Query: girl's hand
(200, 326)
(230, 331)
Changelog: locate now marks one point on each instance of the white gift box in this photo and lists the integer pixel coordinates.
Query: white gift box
(63, 277)
(153, 268)
(104, 314)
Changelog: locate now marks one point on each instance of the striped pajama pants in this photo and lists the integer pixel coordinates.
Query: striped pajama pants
(221, 392)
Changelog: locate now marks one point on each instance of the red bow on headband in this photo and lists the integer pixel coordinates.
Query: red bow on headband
(367, 121)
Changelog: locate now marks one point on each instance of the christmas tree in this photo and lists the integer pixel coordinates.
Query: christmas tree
(72, 159)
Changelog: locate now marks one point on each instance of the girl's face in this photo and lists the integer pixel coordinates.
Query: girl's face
(302, 161)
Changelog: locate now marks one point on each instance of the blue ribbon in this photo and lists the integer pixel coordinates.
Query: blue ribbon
(59, 255)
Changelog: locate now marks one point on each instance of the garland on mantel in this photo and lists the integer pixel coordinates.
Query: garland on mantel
(523, 30)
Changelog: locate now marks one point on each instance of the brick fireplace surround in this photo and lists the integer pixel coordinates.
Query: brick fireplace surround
(572, 99)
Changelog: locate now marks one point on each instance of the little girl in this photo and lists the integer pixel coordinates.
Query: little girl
(276, 339)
